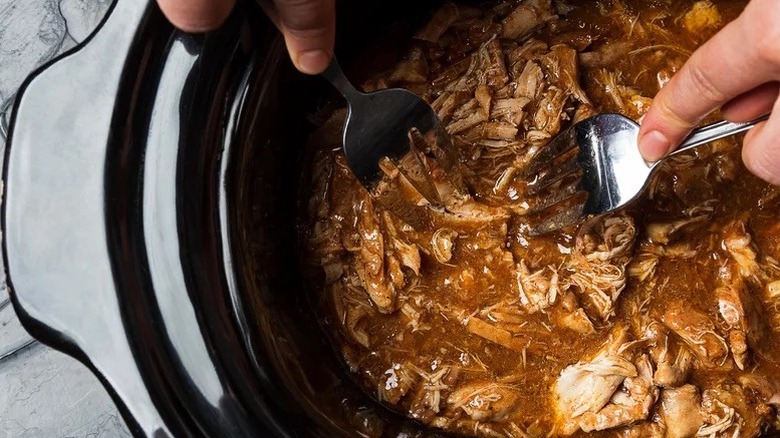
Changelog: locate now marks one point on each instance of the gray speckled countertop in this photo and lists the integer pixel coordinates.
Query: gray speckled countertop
(44, 393)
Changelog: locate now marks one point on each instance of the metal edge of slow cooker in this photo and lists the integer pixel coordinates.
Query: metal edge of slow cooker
(116, 227)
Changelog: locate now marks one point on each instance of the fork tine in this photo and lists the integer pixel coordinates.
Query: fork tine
(553, 194)
(413, 168)
(561, 144)
(558, 220)
(447, 156)
(569, 167)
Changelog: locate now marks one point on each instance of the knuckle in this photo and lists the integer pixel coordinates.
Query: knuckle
(703, 85)
(765, 29)
(672, 114)
(306, 33)
(305, 16)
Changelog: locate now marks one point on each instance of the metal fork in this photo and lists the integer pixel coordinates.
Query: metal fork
(594, 167)
(381, 124)
(378, 125)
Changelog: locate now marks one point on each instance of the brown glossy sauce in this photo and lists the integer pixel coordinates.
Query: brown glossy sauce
(455, 316)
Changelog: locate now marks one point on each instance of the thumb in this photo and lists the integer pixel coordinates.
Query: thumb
(761, 150)
(196, 15)
(309, 28)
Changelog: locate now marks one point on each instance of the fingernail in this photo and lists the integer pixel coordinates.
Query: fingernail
(313, 62)
(654, 145)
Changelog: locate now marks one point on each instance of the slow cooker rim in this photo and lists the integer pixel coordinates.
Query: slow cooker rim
(166, 418)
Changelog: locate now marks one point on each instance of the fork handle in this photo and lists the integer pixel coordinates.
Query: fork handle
(336, 77)
(716, 131)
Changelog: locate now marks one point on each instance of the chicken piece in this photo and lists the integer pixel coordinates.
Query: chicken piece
(498, 131)
(561, 66)
(772, 295)
(577, 320)
(509, 110)
(449, 79)
(630, 404)
(624, 99)
(606, 54)
(578, 39)
(602, 250)
(518, 57)
(597, 283)
(773, 289)
(413, 316)
(397, 193)
(698, 332)
(547, 118)
(703, 18)
(529, 81)
(728, 411)
(529, 15)
(643, 430)
(449, 101)
(496, 335)
(537, 290)
(588, 385)
(607, 239)
(442, 244)
(682, 250)
(351, 306)
(491, 68)
(493, 332)
(675, 368)
(470, 121)
(404, 250)
(427, 400)
(643, 267)
(583, 112)
(396, 383)
(738, 242)
(663, 232)
(370, 257)
(742, 315)
(673, 361)
(485, 400)
(767, 390)
(484, 98)
(462, 210)
(680, 411)
(442, 19)
(413, 70)
(507, 314)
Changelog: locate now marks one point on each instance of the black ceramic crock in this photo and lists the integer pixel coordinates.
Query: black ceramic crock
(151, 184)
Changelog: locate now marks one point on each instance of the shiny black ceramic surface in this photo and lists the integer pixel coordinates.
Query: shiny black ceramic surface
(151, 187)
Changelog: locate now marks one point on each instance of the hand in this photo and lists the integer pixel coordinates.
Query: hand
(737, 70)
(308, 25)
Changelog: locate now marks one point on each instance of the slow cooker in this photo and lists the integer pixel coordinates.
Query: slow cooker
(151, 187)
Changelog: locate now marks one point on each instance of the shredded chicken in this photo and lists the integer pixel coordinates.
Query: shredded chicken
(484, 400)
(738, 242)
(698, 332)
(673, 361)
(588, 386)
(631, 403)
(680, 411)
(526, 17)
(655, 322)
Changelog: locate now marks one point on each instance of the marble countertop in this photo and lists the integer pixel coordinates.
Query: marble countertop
(44, 393)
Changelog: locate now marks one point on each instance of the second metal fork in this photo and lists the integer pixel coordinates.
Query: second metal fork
(594, 167)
